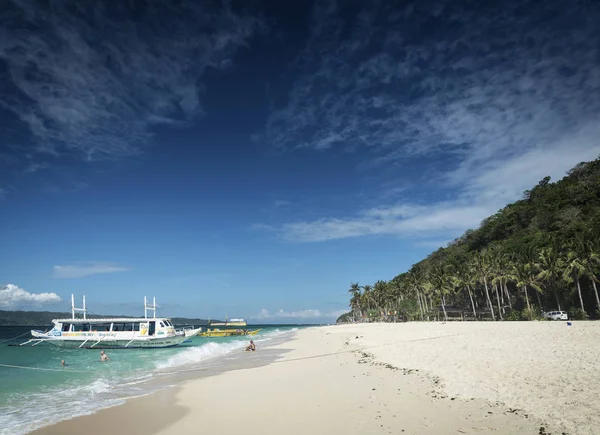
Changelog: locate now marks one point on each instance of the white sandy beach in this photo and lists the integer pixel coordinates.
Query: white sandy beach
(414, 378)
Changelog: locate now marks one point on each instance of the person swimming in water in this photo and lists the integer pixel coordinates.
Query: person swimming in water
(251, 346)
(62, 362)
(103, 356)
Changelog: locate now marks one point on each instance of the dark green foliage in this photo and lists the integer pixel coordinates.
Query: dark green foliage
(524, 259)
(344, 318)
(577, 314)
(516, 315)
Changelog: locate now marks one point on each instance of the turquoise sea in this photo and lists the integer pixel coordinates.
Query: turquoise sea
(45, 392)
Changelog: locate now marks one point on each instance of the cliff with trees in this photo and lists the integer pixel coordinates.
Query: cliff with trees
(539, 254)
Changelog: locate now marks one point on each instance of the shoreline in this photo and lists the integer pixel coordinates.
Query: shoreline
(382, 378)
(60, 395)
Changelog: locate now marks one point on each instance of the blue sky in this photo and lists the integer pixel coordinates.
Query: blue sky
(254, 158)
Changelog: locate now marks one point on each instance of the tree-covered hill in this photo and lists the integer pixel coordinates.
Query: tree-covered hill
(539, 254)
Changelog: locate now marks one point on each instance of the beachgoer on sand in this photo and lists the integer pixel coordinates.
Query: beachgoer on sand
(251, 346)
(103, 356)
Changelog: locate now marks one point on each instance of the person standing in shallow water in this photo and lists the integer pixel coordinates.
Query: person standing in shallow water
(62, 362)
(103, 356)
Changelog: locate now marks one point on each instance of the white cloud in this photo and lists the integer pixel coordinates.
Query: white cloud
(403, 220)
(91, 79)
(13, 297)
(482, 195)
(83, 269)
(309, 314)
(499, 98)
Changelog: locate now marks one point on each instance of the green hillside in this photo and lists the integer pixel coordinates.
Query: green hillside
(541, 253)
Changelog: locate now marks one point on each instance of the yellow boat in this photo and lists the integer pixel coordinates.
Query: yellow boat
(226, 332)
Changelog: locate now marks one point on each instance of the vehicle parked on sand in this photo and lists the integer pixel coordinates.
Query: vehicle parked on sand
(556, 315)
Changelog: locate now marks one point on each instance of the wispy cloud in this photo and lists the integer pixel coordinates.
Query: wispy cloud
(489, 81)
(478, 197)
(14, 297)
(499, 95)
(91, 78)
(400, 220)
(83, 269)
(309, 314)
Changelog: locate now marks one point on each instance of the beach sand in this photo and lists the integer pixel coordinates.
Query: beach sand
(413, 378)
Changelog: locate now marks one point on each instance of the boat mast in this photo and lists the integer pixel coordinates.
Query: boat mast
(73, 309)
(149, 307)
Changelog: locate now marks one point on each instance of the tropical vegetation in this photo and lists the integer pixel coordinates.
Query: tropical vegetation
(539, 254)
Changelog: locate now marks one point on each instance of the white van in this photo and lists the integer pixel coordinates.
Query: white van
(556, 315)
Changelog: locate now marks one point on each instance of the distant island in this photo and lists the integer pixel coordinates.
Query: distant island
(39, 318)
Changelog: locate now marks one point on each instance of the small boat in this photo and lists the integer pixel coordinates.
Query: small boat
(226, 332)
(113, 333)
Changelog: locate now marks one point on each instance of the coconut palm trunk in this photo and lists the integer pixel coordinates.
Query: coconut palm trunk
(472, 303)
(596, 293)
(556, 297)
(489, 300)
(498, 301)
(419, 302)
(507, 295)
(444, 309)
(537, 293)
(527, 300)
(579, 291)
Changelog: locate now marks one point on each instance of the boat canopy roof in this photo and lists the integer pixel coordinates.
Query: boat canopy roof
(111, 319)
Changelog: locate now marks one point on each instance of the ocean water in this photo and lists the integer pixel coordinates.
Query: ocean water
(46, 392)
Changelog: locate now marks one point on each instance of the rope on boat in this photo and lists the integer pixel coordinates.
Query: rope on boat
(18, 336)
(41, 368)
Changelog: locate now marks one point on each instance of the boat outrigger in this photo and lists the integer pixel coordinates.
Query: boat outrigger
(113, 333)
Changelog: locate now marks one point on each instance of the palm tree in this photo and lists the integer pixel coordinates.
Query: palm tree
(414, 279)
(497, 290)
(355, 299)
(575, 266)
(442, 283)
(529, 256)
(427, 290)
(463, 279)
(366, 300)
(481, 266)
(551, 267)
(380, 294)
(502, 264)
(588, 252)
(524, 275)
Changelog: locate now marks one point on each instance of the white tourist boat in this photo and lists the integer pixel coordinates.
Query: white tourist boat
(113, 333)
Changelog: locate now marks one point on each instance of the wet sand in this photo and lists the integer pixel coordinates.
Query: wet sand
(417, 378)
